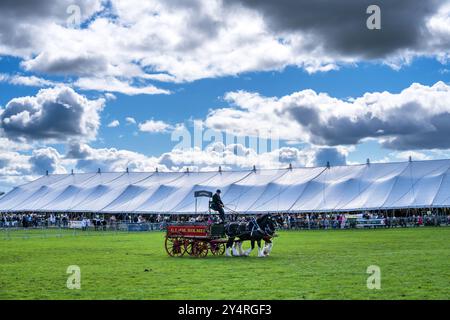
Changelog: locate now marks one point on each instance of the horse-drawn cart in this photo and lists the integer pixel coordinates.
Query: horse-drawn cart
(195, 239)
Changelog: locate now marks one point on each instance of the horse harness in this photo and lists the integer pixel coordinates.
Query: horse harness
(256, 227)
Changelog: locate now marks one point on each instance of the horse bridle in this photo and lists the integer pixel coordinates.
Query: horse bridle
(264, 232)
(271, 232)
(255, 224)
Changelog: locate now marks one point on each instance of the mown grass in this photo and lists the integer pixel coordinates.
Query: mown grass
(415, 264)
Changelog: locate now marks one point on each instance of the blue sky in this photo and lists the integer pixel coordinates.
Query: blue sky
(193, 100)
(232, 74)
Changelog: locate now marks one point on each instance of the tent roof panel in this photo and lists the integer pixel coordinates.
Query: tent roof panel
(340, 188)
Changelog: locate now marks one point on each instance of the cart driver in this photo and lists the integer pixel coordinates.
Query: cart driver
(217, 205)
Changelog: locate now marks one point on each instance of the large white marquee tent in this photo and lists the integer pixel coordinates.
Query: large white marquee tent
(399, 185)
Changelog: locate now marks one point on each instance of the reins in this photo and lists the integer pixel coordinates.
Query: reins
(255, 225)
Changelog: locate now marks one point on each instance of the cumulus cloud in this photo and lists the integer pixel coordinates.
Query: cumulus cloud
(22, 22)
(126, 45)
(46, 159)
(230, 157)
(405, 155)
(78, 151)
(17, 168)
(89, 159)
(340, 26)
(416, 118)
(130, 120)
(107, 85)
(82, 64)
(331, 156)
(112, 84)
(56, 114)
(110, 96)
(114, 124)
(418, 155)
(7, 145)
(154, 126)
(13, 163)
(30, 81)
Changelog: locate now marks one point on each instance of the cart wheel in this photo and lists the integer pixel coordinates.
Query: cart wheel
(175, 247)
(200, 249)
(217, 248)
(188, 246)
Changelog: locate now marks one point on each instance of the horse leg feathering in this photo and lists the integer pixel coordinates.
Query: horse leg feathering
(268, 248)
(248, 251)
(235, 251)
(229, 247)
(239, 245)
(260, 249)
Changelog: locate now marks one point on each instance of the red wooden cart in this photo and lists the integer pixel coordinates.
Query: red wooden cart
(195, 239)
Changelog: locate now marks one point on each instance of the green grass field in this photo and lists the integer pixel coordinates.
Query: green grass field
(415, 264)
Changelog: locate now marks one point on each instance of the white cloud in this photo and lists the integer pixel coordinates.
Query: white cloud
(106, 84)
(112, 84)
(114, 124)
(233, 156)
(110, 96)
(13, 163)
(130, 120)
(30, 81)
(416, 118)
(10, 145)
(21, 24)
(55, 114)
(405, 155)
(154, 126)
(418, 155)
(46, 159)
(89, 159)
(17, 168)
(124, 48)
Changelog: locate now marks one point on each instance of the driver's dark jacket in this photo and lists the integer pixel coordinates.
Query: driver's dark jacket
(216, 202)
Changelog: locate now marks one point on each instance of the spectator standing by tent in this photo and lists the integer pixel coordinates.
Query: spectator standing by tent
(326, 223)
(84, 224)
(344, 220)
(24, 221)
(340, 221)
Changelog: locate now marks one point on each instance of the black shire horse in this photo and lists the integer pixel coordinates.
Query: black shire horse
(261, 228)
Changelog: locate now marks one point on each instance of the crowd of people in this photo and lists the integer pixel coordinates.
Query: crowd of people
(29, 220)
(337, 221)
(85, 221)
(343, 221)
(290, 221)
